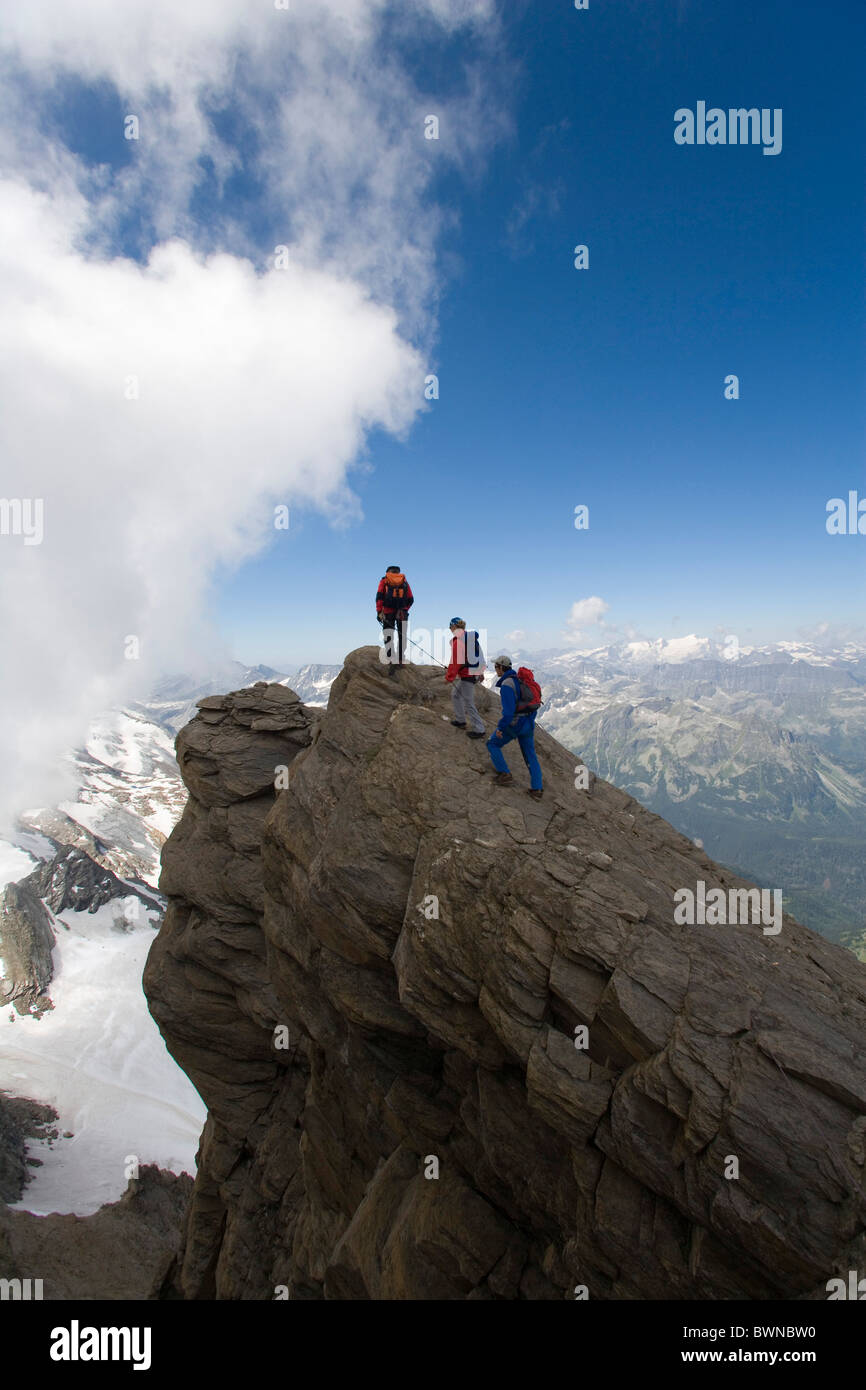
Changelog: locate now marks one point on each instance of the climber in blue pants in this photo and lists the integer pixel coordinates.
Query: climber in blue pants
(513, 726)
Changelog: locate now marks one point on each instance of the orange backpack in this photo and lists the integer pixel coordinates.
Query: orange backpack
(395, 590)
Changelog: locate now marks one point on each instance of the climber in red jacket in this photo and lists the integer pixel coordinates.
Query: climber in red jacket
(394, 598)
(465, 671)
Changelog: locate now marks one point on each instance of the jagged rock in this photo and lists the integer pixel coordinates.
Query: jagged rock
(71, 880)
(431, 947)
(126, 1250)
(221, 764)
(123, 850)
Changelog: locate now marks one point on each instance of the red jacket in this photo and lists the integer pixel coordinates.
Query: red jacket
(396, 580)
(457, 668)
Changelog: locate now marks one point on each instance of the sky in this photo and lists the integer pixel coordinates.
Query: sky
(605, 387)
(231, 261)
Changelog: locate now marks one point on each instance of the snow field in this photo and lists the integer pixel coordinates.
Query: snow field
(98, 1058)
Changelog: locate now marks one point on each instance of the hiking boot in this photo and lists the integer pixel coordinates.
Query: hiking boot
(536, 794)
(472, 734)
(458, 724)
(503, 779)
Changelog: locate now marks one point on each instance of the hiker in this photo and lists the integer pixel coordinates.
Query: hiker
(521, 701)
(465, 670)
(394, 598)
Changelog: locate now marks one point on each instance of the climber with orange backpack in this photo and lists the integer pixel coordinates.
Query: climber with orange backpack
(521, 701)
(394, 598)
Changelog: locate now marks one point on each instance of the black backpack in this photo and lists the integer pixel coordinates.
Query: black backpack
(473, 656)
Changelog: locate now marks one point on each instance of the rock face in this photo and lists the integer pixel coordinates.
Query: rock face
(453, 1042)
(71, 880)
(26, 943)
(126, 1250)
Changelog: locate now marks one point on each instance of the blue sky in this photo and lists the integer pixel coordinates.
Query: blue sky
(605, 386)
(602, 387)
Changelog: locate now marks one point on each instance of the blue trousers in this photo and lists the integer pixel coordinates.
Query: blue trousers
(524, 732)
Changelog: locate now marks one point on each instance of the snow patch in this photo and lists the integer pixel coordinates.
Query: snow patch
(99, 1060)
(15, 863)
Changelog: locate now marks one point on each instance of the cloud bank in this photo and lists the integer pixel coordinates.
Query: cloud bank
(167, 381)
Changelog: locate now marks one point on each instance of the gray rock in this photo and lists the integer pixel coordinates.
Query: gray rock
(26, 943)
(220, 762)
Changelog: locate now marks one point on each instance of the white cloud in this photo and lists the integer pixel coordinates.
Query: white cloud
(517, 636)
(332, 126)
(257, 386)
(585, 612)
(170, 45)
(253, 391)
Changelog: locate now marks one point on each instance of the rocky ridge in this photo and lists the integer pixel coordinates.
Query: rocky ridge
(381, 978)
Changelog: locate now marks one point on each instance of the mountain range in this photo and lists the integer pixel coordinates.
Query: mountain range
(761, 755)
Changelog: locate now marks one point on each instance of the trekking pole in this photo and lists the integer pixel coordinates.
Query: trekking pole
(413, 643)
